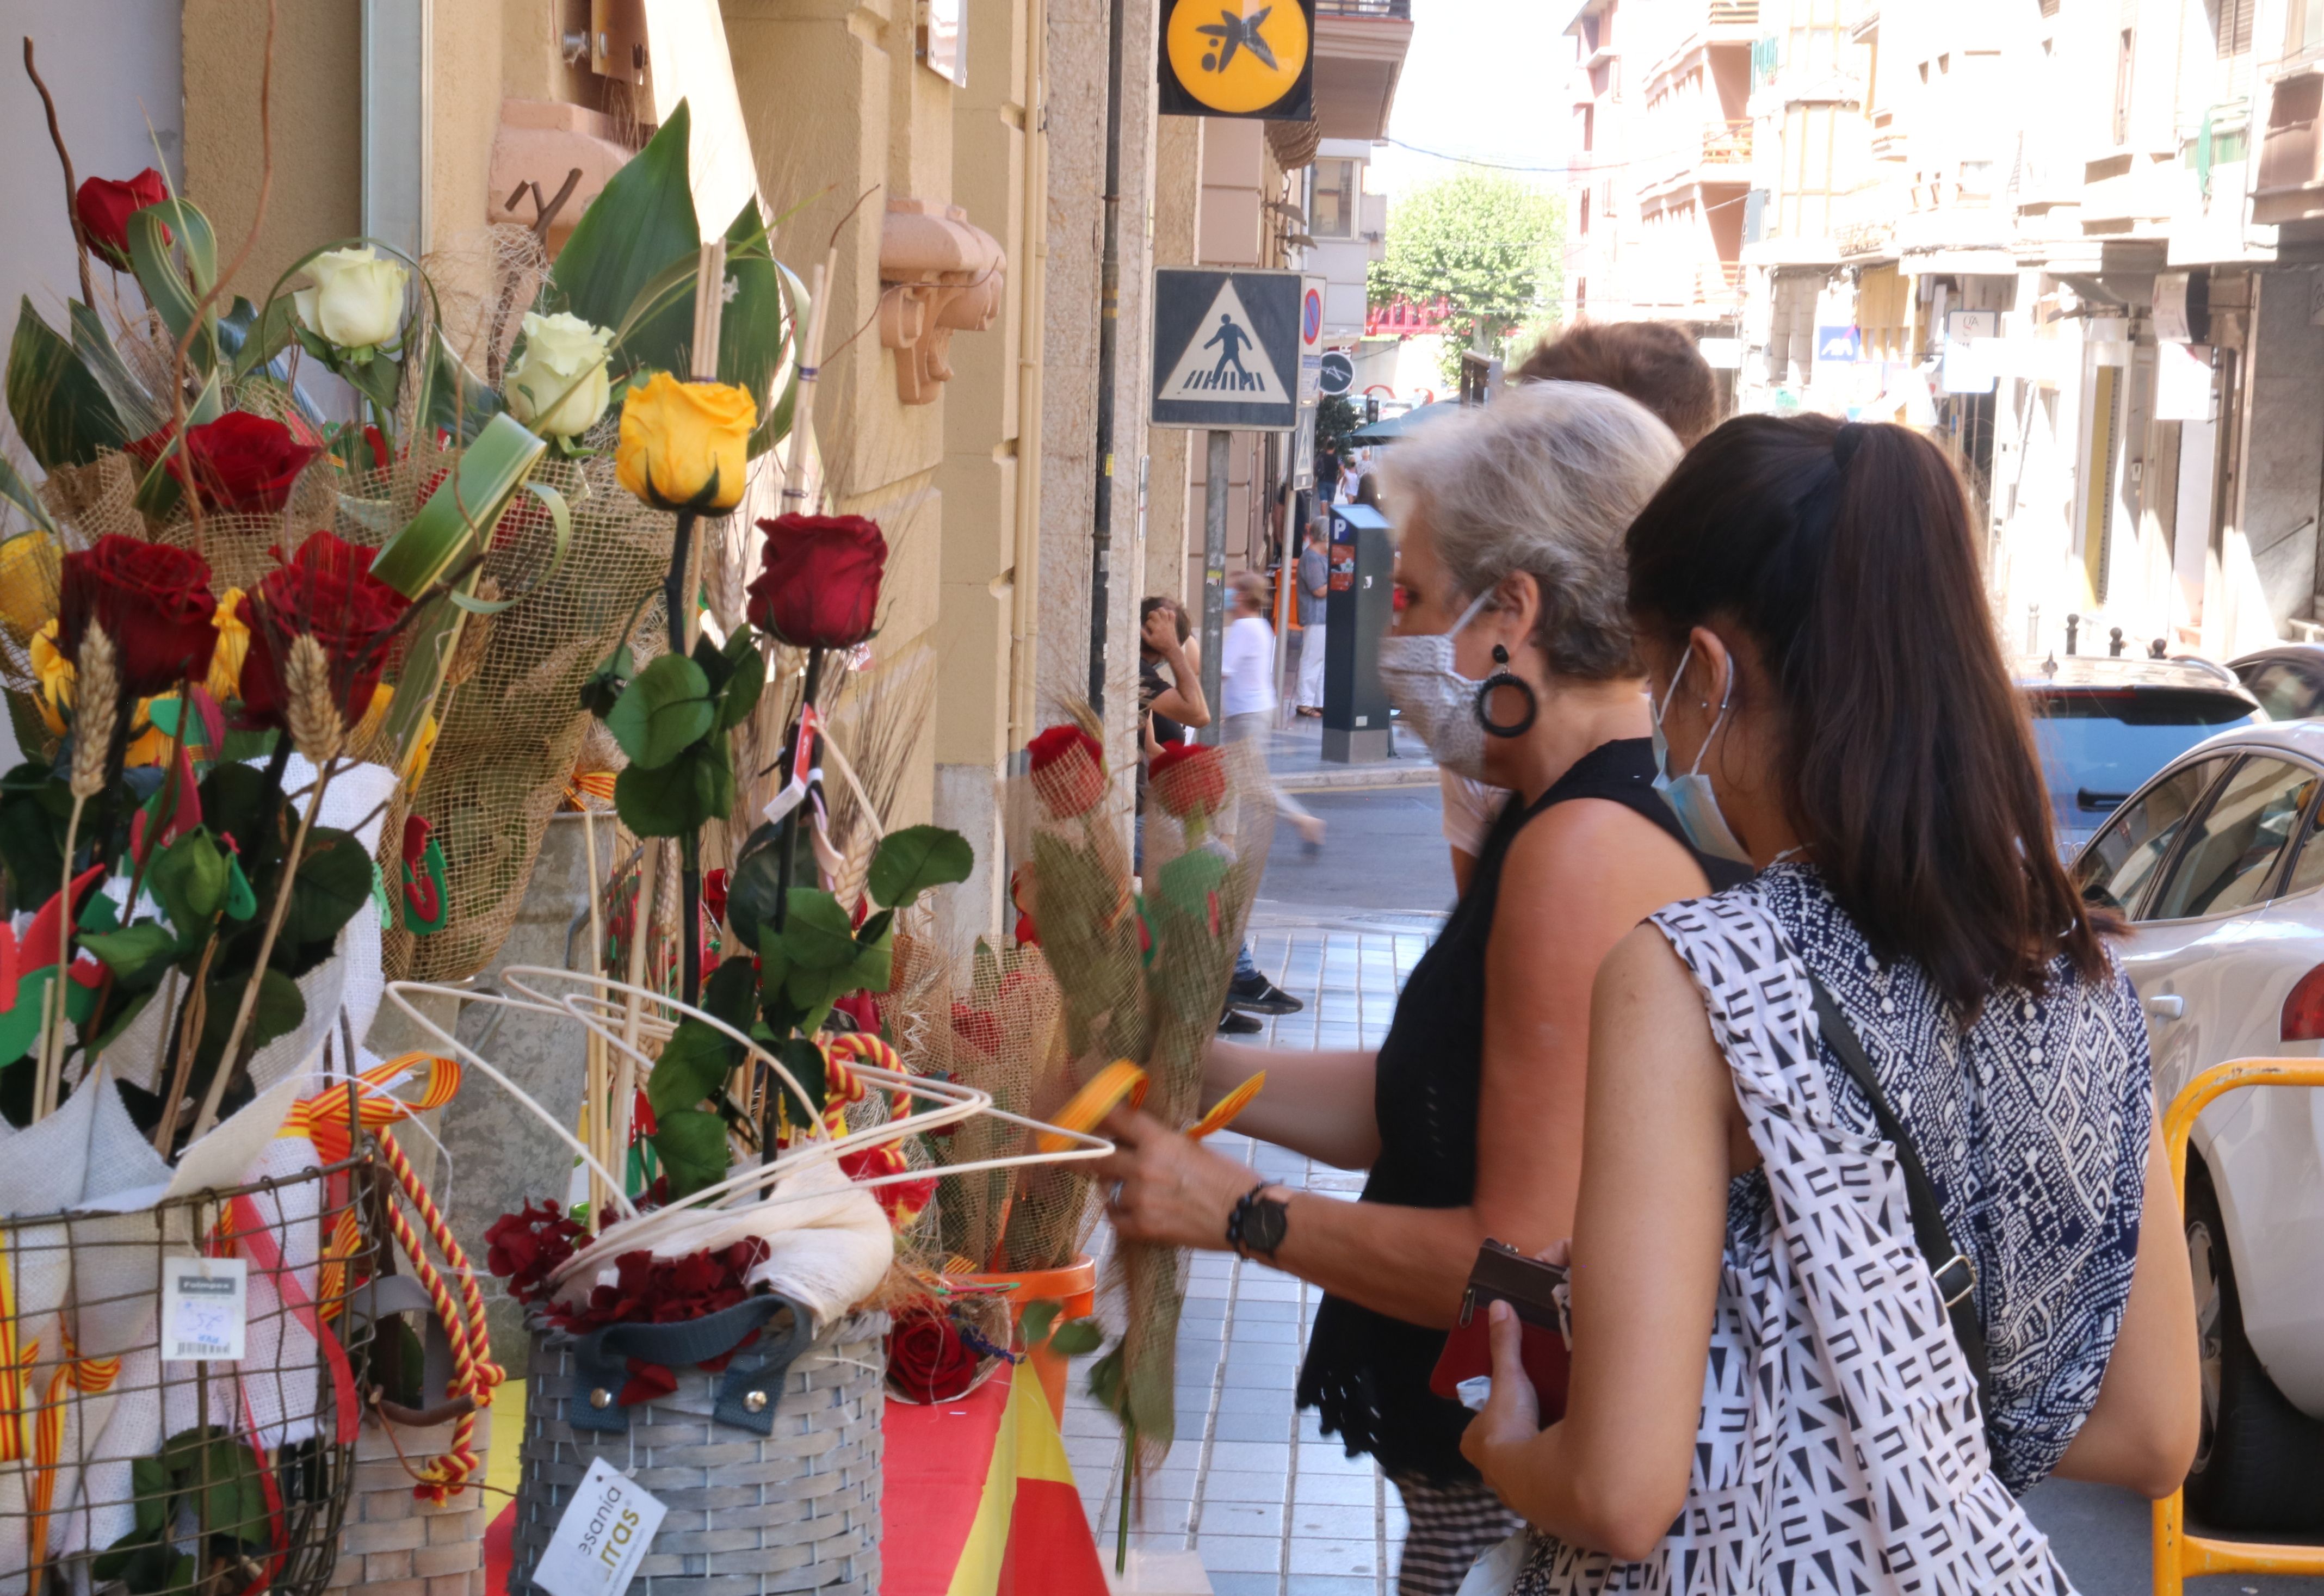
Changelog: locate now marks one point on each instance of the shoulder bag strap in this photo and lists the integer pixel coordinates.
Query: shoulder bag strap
(1955, 1276)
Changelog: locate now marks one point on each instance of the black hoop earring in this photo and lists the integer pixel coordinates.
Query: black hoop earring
(1505, 677)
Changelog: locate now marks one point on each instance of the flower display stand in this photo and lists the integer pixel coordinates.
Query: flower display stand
(394, 1545)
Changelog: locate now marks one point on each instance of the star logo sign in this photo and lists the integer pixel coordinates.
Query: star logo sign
(1238, 33)
(1236, 57)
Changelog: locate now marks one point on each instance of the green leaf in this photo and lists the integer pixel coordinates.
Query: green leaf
(252, 341)
(874, 967)
(911, 861)
(752, 887)
(174, 299)
(665, 709)
(1037, 1318)
(692, 1145)
(804, 1060)
(123, 391)
(641, 224)
(1187, 881)
(743, 688)
(279, 1012)
(189, 880)
(32, 847)
(16, 491)
(681, 797)
(732, 992)
(334, 880)
(1077, 1337)
(775, 417)
(460, 402)
(234, 801)
(59, 408)
(135, 952)
(466, 504)
(816, 932)
(754, 334)
(149, 1482)
(694, 1064)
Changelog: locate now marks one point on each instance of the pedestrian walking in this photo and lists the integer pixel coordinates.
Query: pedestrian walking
(1314, 577)
(1875, 1230)
(1247, 686)
(1512, 657)
(1657, 363)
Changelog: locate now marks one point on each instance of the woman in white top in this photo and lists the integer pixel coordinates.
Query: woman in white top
(1246, 688)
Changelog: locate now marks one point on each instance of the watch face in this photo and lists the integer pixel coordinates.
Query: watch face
(1263, 1227)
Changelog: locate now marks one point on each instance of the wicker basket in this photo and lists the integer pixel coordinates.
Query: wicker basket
(795, 1510)
(394, 1545)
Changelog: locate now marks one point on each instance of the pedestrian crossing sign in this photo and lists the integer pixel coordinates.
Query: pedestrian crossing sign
(1226, 344)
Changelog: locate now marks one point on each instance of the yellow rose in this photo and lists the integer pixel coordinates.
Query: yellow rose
(684, 445)
(31, 567)
(233, 647)
(415, 763)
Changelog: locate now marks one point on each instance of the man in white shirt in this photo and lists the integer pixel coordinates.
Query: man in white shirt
(1246, 688)
(1314, 574)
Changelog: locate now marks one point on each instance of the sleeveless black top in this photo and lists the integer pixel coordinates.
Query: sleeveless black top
(1366, 1373)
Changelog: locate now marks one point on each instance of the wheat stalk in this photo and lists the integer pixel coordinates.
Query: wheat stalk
(317, 728)
(96, 707)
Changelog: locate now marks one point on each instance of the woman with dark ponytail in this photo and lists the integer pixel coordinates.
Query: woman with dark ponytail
(1875, 1231)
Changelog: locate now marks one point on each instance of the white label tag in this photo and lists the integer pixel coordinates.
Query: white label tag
(205, 1309)
(602, 1537)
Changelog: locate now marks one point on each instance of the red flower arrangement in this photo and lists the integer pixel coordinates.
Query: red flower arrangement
(153, 600)
(818, 583)
(1068, 771)
(325, 591)
(105, 206)
(927, 1360)
(1188, 779)
(240, 463)
(525, 1247)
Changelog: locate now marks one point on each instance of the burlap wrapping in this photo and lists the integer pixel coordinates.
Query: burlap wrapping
(1143, 976)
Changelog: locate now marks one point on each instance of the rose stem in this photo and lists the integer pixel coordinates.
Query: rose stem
(189, 1037)
(790, 841)
(676, 596)
(53, 1039)
(598, 1106)
(228, 1059)
(625, 1072)
(1122, 1528)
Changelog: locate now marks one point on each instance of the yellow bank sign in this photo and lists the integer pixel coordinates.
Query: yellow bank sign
(1238, 58)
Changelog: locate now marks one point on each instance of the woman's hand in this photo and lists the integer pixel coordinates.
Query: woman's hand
(1510, 1420)
(1170, 1191)
(1160, 633)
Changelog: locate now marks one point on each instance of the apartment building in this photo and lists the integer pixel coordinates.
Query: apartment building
(1661, 160)
(2081, 240)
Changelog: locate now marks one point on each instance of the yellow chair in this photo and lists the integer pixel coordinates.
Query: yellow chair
(2177, 1554)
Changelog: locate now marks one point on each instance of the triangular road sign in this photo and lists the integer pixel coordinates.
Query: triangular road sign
(1224, 363)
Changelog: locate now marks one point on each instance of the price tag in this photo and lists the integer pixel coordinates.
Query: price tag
(205, 1309)
(602, 1537)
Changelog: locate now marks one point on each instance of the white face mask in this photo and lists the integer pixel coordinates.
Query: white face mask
(1691, 796)
(1436, 700)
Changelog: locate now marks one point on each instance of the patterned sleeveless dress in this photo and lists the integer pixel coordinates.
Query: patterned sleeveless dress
(1840, 1448)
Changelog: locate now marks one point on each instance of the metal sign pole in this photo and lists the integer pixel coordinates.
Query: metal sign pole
(1214, 579)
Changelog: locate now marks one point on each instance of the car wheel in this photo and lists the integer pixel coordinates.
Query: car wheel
(2260, 1464)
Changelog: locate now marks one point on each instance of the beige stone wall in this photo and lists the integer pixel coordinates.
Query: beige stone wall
(1076, 154)
(1178, 216)
(317, 137)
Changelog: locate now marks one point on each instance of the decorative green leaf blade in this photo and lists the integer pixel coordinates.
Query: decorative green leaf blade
(665, 709)
(334, 880)
(754, 336)
(134, 953)
(692, 1145)
(641, 224)
(189, 880)
(681, 796)
(692, 1064)
(911, 861)
(58, 407)
(742, 689)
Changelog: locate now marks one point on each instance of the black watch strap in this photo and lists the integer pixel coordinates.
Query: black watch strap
(1259, 1222)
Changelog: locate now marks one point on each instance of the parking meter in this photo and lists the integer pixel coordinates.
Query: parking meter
(1356, 614)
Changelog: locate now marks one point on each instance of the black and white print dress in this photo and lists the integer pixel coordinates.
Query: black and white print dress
(1839, 1448)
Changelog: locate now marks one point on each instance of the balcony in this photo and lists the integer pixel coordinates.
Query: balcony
(1359, 50)
(1734, 14)
(2291, 186)
(1718, 285)
(1726, 144)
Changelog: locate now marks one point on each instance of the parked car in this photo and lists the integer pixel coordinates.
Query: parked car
(2217, 864)
(2104, 725)
(2287, 679)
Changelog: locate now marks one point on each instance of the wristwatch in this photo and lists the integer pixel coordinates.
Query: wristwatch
(1259, 1222)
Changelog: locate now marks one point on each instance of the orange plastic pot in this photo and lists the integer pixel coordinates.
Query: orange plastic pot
(1072, 1288)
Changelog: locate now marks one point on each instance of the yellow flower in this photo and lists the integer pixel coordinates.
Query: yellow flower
(31, 567)
(684, 445)
(233, 647)
(148, 747)
(415, 763)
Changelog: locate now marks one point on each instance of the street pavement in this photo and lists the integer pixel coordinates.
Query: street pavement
(1272, 1507)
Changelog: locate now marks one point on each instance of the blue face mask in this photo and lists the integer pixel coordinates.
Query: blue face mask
(1691, 797)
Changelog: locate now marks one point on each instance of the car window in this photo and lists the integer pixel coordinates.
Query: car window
(2284, 691)
(2099, 745)
(2113, 872)
(2229, 859)
(2308, 867)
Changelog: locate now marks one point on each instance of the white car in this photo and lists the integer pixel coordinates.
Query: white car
(2217, 863)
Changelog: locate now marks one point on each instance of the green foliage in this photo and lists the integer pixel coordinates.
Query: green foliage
(1485, 243)
(60, 409)
(693, 1065)
(664, 710)
(189, 880)
(641, 224)
(1076, 1337)
(692, 1145)
(1335, 418)
(911, 861)
(681, 796)
(334, 880)
(205, 1475)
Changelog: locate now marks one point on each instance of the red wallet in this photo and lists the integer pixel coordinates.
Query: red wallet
(1503, 1273)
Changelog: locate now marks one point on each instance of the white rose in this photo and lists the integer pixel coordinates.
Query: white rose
(356, 301)
(559, 386)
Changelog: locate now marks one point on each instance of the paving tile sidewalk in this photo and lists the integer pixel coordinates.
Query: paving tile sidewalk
(1272, 1508)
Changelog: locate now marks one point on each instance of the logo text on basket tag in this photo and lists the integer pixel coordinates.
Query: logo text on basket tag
(205, 1309)
(602, 1537)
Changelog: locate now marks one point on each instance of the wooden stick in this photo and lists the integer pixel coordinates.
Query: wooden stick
(72, 189)
(592, 1129)
(625, 1070)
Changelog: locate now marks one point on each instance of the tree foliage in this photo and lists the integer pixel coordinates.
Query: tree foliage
(1483, 241)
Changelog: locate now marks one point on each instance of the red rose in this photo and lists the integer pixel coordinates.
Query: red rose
(239, 462)
(713, 895)
(1068, 771)
(105, 206)
(153, 600)
(327, 592)
(818, 583)
(1188, 779)
(927, 1361)
(525, 1247)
